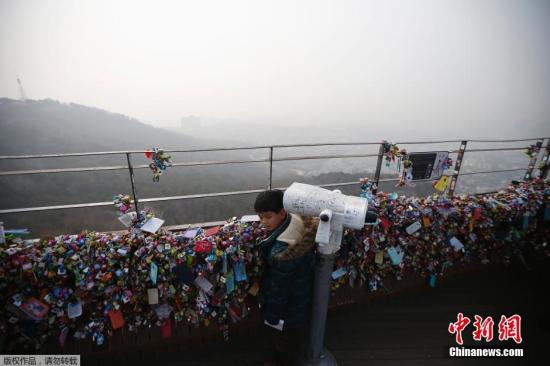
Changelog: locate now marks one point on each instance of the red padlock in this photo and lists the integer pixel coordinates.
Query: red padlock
(203, 246)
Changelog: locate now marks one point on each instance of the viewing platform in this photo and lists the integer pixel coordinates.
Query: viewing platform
(188, 293)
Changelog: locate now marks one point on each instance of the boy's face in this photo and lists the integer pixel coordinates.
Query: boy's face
(271, 220)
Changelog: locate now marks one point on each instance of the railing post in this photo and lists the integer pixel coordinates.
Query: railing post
(270, 167)
(458, 164)
(532, 162)
(131, 170)
(378, 167)
(543, 173)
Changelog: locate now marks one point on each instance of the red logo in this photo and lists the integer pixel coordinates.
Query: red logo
(458, 327)
(508, 328)
(484, 328)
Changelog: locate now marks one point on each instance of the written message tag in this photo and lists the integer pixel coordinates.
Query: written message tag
(396, 255)
(413, 228)
(152, 225)
(456, 244)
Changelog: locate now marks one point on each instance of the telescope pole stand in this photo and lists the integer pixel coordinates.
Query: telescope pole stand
(317, 354)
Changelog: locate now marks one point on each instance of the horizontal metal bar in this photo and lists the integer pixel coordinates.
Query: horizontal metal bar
(398, 179)
(98, 204)
(495, 149)
(325, 157)
(171, 227)
(469, 173)
(65, 170)
(482, 193)
(122, 152)
(494, 171)
(124, 167)
(512, 140)
(60, 207)
(452, 141)
(190, 226)
(68, 155)
(156, 199)
(339, 184)
(198, 163)
(247, 148)
(425, 142)
(182, 150)
(328, 144)
(267, 160)
(201, 195)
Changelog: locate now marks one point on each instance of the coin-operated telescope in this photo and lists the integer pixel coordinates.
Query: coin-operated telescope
(335, 211)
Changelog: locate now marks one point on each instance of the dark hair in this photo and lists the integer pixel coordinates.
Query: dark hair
(269, 201)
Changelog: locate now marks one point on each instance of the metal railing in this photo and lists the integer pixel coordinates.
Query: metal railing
(271, 149)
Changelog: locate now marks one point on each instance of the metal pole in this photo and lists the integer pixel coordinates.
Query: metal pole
(532, 162)
(543, 173)
(131, 170)
(270, 167)
(378, 167)
(458, 164)
(316, 353)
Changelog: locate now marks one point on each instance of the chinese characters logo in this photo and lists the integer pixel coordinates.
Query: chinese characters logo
(508, 328)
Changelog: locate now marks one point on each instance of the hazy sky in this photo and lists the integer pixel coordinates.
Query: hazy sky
(399, 63)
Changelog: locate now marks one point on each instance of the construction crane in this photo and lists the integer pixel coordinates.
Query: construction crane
(22, 96)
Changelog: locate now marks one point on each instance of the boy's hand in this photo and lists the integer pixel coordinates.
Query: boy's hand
(276, 326)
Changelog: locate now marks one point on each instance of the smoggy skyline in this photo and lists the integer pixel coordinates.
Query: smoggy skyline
(427, 64)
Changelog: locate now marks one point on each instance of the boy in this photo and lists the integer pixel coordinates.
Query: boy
(287, 281)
